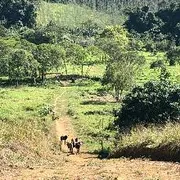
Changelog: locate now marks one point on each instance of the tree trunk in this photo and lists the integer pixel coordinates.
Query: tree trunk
(82, 70)
(34, 80)
(43, 76)
(117, 94)
(65, 66)
(17, 83)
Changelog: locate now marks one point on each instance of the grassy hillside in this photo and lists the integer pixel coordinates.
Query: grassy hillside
(71, 15)
(25, 123)
(152, 74)
(91, 112)
(143, 76)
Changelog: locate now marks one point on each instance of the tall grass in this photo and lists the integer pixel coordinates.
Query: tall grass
(156, 142)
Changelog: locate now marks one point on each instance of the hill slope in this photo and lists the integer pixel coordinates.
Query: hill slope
(72, 15)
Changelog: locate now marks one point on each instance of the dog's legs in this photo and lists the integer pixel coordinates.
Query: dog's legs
(60, 145)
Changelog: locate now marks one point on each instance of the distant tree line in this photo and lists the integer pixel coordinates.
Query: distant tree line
(161, 25)
(111, 5)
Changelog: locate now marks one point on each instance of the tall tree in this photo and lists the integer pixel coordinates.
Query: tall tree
(22, 64)
(49, 57)
(121, 72)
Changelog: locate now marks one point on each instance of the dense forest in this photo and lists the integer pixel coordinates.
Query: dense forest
(119, 58)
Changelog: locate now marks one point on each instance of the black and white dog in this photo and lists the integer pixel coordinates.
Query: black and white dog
(63, 138)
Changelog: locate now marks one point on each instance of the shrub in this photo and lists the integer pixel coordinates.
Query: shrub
(157, 64)
(155, 102)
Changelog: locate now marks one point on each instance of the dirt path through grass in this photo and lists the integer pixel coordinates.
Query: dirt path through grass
(87, 166)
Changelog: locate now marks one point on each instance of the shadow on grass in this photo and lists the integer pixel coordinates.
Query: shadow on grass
(74, 77)
(162, 153)
(12, 83)
(52, 78)
(93, 102)
(96, 112)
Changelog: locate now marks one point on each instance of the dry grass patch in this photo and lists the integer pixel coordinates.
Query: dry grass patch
(158, 143)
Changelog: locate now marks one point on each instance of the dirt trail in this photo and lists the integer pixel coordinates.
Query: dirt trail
(88, 167)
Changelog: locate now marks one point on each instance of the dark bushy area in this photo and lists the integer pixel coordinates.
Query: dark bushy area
(18, 12)
(159, 25)
(155, 102)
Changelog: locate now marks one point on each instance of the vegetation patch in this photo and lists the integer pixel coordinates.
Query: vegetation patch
(157, 143)
(25, 122)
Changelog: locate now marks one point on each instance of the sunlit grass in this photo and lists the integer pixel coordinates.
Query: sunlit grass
(157, 142)
(24, 122)
(91, 114)
(71, 15)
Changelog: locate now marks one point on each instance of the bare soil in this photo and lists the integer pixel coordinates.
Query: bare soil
(85, 166)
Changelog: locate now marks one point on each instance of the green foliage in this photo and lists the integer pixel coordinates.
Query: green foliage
(51, 33)
(121, 72)
(114, 39)
(173, 56)
(3, 31)
(157, 64)
(22, 64)
(45, 110)
(122, 62)
(18, 12)
(160, 26)
(141, 20)
(155, 102)
(72, 15)
(112, 6)
(49, 57)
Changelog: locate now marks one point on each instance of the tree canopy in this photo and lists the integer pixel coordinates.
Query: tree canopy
(18, 12)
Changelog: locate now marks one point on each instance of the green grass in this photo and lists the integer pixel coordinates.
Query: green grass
(25, 122)
(71, 15)
(147, 74)
(91, 114)
(96, 70)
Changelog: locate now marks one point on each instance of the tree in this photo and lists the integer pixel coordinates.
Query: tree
(154, 102)
(173, 56)
(77, 55)
(49, 57)
(3, 58)
(3, 31)
(141, 20)
(121, 71)
(21, 65)
(122, 62)
(114, 38)
(18, 12)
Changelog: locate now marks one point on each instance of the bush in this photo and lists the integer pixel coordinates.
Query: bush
(157, 64)
(155, 102)
(173, 56)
